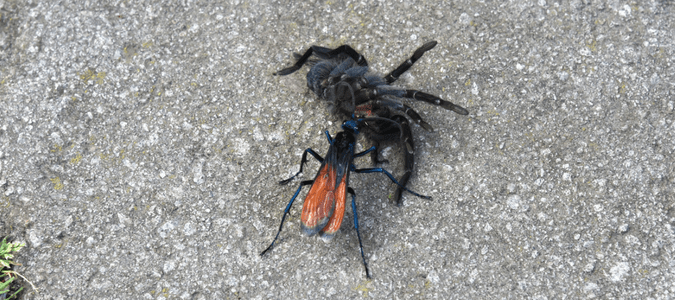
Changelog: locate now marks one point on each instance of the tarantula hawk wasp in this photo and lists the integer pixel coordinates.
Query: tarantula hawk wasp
(324, 206)
(341, 77)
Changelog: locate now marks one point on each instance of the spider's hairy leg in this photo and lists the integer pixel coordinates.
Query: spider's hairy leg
(379, 131)
(398, 107)
(431, 99)
(298, 64)
(409, 157)
(393, 76)
(327, 53)
(417, 118)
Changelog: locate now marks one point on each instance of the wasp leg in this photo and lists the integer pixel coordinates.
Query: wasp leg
(288, 208)
(375, 155)
(380, 170)
(302, 163)
(358, 234)
(330, 139)
(393, 76)
(371, 149)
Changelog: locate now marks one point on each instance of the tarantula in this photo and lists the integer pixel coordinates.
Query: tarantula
(341, 77)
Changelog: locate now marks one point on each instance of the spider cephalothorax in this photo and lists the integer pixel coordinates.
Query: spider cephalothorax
(342, 78)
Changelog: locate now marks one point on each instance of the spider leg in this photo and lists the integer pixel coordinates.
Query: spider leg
(327, 53)
(298, 64)
(417, 118)
(402, 134)
(431, 99)
(409, 159)
(393, 76)
(400, 107)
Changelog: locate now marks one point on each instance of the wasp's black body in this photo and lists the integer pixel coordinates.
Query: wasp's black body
(341, 77)
(324, 204)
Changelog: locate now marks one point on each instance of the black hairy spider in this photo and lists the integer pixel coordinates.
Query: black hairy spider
(341, 77)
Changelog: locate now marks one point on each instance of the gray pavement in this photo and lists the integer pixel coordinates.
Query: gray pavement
(142, 144)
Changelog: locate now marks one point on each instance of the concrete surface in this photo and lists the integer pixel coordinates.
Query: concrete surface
(142, 142)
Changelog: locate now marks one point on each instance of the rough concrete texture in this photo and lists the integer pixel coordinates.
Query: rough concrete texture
(142, 144)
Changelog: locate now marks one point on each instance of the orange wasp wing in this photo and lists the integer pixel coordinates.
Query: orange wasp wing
(320, 201)
(335, 221)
